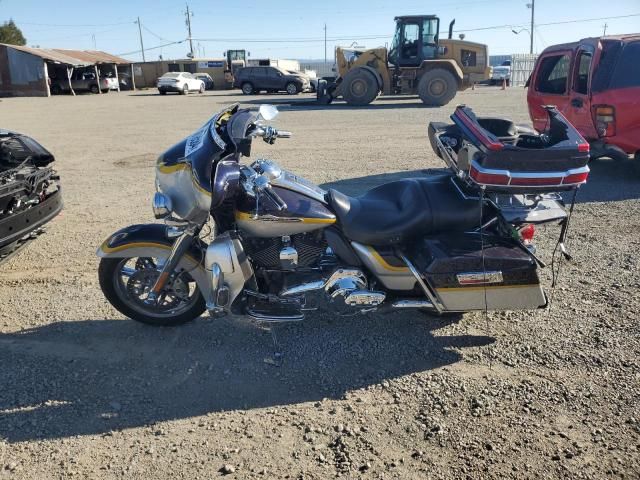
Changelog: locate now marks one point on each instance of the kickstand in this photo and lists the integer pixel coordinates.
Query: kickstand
(278, 354)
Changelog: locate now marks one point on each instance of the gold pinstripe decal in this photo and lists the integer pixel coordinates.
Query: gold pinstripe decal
(107, 249)
(384, 263)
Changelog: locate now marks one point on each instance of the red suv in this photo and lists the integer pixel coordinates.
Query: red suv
(595, 83)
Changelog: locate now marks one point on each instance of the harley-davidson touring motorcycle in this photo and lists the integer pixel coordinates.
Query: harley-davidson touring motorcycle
(260, 241)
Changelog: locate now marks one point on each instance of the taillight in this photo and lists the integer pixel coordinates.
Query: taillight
(605, 119)
(488, 178)
(575, 178)
(527, 233)
(583, 147)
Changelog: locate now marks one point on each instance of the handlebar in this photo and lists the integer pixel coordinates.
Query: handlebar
(261, 185)
(275, 198)
(269, 134)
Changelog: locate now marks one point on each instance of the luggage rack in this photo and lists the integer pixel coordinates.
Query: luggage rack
(551, 162)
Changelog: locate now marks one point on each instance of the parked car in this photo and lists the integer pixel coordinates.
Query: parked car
(500, 73)
(270, 79)
(206, 78)
(181, 82)
(595, 83)
(125, 81)
(81, 81)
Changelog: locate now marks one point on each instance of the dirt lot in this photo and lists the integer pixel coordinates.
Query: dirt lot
(84, 392)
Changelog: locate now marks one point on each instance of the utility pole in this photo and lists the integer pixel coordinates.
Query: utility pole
(533, 6)
(325, 43)
(141, 43)
(189, 29)
(604, 33)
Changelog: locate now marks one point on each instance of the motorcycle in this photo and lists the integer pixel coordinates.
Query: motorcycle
(260, 241)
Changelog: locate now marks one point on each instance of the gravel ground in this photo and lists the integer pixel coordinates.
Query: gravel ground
(86, 393)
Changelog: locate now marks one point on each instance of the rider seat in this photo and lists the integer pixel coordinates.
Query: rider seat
(398, 211)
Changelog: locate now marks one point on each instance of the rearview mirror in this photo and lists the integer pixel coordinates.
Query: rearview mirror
(268, 112)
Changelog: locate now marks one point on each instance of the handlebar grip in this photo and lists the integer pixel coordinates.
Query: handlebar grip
(275, 198)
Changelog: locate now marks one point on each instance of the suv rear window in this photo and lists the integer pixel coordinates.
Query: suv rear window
(627, 72)
(552, 74)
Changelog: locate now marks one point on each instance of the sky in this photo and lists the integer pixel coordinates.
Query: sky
(294, 29)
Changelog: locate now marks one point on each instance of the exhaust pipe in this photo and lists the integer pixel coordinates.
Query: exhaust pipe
(451, 28)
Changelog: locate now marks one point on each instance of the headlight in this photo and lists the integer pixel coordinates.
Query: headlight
(161, 205)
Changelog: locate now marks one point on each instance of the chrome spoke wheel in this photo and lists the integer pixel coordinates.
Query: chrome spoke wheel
(134, 279)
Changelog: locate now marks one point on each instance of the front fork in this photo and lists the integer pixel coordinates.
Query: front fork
(180, 247)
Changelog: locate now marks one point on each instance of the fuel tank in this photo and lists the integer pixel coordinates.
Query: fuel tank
(304, 213)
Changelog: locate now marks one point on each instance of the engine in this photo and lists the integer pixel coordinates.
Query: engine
(302, 250)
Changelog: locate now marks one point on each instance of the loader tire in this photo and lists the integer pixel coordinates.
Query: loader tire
(360, 87)
(437, 87)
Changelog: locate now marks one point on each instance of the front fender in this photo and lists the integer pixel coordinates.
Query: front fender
(150, 240)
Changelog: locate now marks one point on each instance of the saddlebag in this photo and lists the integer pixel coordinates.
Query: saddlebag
(498, 155)
(463, 270)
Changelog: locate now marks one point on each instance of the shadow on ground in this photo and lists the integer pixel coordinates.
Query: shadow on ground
(93, 376)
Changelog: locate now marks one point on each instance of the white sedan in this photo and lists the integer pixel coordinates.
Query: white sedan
(181, 82)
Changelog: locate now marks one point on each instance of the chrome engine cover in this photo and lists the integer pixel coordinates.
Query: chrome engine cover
(349, 287)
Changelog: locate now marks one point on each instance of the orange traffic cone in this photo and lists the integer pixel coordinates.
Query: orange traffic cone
(504, 84)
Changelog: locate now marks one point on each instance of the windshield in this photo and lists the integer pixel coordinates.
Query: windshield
(171, 75)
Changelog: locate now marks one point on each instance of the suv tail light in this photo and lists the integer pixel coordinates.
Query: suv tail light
(605, 120)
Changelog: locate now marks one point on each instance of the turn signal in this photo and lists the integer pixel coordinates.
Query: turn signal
(527, 233)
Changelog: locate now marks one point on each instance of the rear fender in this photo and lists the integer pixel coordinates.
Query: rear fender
(150, 240)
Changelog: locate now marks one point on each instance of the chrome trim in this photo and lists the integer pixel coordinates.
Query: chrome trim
(479, 278)
(511, 176)
(217, 279)
(364, 298)
(328, 284)
(303, 288)
(412, 304)
(265, 318)
(423, 285)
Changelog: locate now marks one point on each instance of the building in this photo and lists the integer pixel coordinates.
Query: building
(26, 71)
(146, 74)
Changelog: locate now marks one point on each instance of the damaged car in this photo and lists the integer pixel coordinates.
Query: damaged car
(30, 193)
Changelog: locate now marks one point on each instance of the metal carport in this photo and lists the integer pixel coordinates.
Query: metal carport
(26, 71)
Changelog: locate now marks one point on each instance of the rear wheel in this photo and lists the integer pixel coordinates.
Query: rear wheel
(126, 283)
(94, 89)
(162, 92)
(247, 88)
(56, 90)
(437, 87)
(360, 87)
(291, 88)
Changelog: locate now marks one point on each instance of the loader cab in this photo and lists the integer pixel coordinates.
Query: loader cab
(415, 40)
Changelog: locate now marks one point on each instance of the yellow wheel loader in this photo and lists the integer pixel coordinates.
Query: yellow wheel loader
(419, 63)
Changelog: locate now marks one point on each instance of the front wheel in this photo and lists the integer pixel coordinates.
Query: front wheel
(201, 90)
(291, 88)
(437, 87)
(185, 89)
(126, 283)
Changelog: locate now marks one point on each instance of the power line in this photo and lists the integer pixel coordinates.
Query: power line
(75, 24)
(150, 48)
